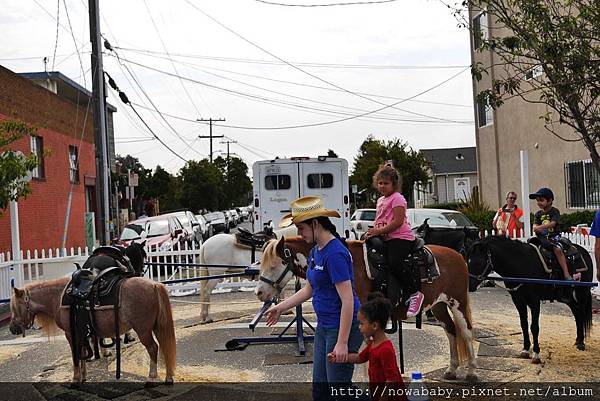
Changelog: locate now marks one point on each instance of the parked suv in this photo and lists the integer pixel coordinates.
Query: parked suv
(190, 223)
(362, 220)
(206, 228)
(218, 221)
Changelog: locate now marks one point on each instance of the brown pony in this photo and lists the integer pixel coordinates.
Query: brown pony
(145, 307)
(446, 295)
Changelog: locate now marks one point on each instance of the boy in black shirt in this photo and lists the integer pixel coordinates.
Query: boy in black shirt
(546, 225)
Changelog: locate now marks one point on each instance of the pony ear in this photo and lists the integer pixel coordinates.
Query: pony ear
(143, 244)
(280, 246)
(18, 292)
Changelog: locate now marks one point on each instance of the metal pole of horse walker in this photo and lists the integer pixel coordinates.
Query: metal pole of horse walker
(525, 193)
(401, 346)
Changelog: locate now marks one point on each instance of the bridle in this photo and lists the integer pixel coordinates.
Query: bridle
(290, 267)
(30, 315)
(489, 267)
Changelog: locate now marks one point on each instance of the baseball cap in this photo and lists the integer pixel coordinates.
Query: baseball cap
(545, 193)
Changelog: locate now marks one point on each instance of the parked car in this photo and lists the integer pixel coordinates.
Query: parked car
(206, 228)
(362, 220)
(244, 212)
(190, 223)
(161, 232)
(230, 219)
(218, 221)
(446, 227)
(236, 216)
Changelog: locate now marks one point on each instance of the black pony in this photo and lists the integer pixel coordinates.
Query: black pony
(513, 258)
(456, 238)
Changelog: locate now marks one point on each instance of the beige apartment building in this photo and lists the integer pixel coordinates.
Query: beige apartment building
(501, 134)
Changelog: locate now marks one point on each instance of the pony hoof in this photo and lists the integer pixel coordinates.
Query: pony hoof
(471, 377)
(449, 375)
(536, 360)
(580, 346)
(129, 338)
(75, 385)
(206, 321)
(525, 354)
(169, 381)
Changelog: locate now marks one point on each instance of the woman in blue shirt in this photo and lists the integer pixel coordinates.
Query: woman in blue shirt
(330, 283)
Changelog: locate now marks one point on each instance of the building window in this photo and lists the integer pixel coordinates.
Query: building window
(430, 187)
(278, 182)
(534, 72)
(320, 180)
(37, 148)
(73, 164)
(582, 185)
(480, 30)
(485, 113)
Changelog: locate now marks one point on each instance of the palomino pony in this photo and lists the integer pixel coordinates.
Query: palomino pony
(221, 249)
(513, 258)
(145, 308)
(444, 296)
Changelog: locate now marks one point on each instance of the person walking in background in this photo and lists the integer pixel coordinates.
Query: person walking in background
(507, 220)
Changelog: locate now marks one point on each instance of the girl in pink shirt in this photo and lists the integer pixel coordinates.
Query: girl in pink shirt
(391, 225)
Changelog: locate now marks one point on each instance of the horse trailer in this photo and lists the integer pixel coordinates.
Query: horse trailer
(278, 182)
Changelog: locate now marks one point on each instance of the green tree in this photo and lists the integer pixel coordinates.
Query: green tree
(14, 167)
(237, 183)
(166, 188)
(142, 191)
(411, 165)
(559, 40)
(201, 186)
(331, 153)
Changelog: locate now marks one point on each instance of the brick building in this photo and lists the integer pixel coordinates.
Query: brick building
(58, 108)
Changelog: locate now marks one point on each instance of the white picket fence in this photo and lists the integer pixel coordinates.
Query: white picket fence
(54, 263)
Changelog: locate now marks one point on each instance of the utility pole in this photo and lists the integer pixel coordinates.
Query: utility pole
(100, 137)
(228, 142)
(210, 135)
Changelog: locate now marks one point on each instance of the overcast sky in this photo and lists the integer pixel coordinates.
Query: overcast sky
(231, 68)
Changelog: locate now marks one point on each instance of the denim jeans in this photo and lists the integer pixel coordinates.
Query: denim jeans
(325, 372)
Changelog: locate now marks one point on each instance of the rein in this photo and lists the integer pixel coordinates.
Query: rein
(290, 267)
(30, 314)
(489, 267)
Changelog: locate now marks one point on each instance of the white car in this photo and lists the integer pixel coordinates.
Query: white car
(438, 218)
(362, 220)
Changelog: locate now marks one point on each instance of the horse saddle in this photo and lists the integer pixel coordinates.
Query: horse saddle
(420, 259)
(575, 261)
(247, 239)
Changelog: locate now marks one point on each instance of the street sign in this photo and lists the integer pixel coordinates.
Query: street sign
(133, 179)
(354, 188)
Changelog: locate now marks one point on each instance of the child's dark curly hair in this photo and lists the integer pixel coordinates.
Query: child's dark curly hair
(377, 308)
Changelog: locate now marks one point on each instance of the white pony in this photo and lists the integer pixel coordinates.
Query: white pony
(220, 249)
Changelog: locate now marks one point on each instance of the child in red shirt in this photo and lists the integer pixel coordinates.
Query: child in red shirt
(373, 316)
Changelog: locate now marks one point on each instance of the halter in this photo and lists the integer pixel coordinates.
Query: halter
(30, 314)
(290, 267)
(489, 267)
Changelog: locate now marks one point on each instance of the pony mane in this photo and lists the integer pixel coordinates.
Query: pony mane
(269, 255)
(47, 283)
(48, 325)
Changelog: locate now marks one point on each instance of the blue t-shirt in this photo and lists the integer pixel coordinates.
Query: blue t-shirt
(326, 267)
(595, 231)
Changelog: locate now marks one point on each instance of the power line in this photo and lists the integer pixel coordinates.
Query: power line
(108, 46)
(315, 110)
(74, 43)
(57, 26)
(323, 122)
(125, 100)
(199, 68)
(169, 57)
(290, 64)
(352, 3)
(304, 64)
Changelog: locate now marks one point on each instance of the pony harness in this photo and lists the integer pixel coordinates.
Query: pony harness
(575, 261)
(253, 241)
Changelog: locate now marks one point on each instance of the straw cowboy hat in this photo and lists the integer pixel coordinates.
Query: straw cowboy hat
(306, 208)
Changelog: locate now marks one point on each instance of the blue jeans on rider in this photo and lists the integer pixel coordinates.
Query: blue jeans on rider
(325, 373)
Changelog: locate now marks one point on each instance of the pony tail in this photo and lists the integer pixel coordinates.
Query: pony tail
(329, 226)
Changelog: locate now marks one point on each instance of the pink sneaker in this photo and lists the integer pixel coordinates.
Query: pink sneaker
(416, 301)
